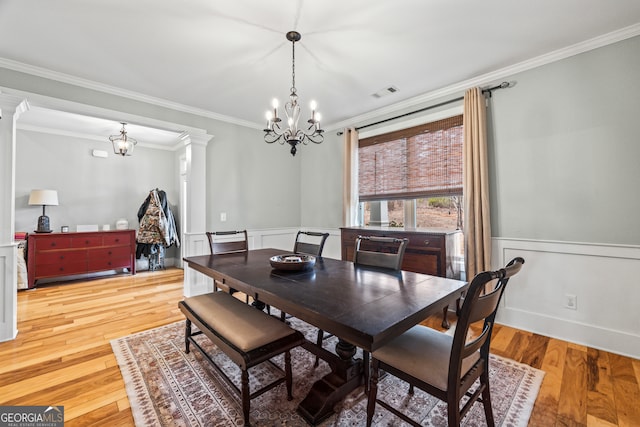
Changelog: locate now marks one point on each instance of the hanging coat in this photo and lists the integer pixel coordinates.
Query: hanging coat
(157, 224)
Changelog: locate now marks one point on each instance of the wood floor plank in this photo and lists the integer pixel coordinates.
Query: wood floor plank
(25, 386)
(545, 409)
(501, 339)
(517, 345)
(597, 422)
(534, 353)
(600, 401)
(636, 369)
(625, 390)
(103, 416)
(572, 406)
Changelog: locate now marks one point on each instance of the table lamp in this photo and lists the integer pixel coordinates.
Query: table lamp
(44, 198)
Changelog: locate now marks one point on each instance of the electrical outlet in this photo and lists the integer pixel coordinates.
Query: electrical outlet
(223, 216)
(571, 302)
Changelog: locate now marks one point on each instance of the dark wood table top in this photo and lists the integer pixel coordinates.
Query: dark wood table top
(362, 305)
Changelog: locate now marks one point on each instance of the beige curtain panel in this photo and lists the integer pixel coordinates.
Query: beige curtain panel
(350, 182)
(477, 224)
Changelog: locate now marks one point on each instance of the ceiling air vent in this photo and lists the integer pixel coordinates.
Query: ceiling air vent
(384, 92)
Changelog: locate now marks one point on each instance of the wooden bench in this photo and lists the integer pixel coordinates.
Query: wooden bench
(246, 335)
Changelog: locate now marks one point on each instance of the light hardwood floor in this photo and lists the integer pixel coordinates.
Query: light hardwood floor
(62, 356)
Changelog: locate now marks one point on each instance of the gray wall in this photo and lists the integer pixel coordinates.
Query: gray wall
(565, 148)
(91, 190)
(256, 184)
(321, 183)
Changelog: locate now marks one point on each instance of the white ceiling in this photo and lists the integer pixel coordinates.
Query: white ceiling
(228, 59)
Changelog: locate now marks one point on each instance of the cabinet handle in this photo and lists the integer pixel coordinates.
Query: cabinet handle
(426, 243)
(53, 243)
(110, 252)
(117, 240)
(61, 256)
(86, 242)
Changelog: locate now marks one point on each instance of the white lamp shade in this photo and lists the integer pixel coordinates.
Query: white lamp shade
(43, 197)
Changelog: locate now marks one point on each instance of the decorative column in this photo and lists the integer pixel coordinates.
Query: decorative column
(194, 208)
(10, 109)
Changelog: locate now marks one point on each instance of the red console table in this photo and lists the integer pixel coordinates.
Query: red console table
(54, 255)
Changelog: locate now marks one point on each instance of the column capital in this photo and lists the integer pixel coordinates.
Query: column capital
(10, 104)
(195, 138)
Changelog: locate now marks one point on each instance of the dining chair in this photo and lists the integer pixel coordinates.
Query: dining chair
(373, 251)
(228, 242)
(384, 252)
(443, 365)
(310, 243)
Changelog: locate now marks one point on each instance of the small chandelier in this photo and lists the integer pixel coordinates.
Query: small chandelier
(122, 144)
(292, 134)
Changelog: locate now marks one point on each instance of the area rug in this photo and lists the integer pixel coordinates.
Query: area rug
(167, 387)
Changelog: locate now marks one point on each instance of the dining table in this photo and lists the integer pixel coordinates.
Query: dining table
(362, 306)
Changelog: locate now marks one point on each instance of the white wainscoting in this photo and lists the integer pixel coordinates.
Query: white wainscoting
(8, 291)
(196, 283)
(603, 278)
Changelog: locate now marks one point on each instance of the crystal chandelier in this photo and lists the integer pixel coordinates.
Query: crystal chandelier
(122, 144)
(292, 134)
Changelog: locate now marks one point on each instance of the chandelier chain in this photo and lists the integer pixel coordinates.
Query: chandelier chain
(293, 67)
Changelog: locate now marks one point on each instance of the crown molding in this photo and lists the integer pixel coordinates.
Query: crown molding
(112, 90)
(86, 136)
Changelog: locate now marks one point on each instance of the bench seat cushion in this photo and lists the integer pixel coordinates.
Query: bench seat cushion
(241, 324)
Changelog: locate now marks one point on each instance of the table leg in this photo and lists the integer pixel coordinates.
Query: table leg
(345, 377)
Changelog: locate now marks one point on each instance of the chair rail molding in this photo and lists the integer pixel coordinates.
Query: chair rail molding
(601, 279)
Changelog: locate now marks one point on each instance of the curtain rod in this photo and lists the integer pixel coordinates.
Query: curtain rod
(502, 85)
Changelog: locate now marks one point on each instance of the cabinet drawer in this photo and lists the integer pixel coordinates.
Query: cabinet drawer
(111, 252)
(53, 243)
(426, 241)
(61, 257)
(117, 239)
(108, 263)
(66, 269)
(86, 241)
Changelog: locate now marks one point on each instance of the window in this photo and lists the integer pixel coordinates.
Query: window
(413, 177)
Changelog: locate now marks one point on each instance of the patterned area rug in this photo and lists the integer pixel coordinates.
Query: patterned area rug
(167, 387)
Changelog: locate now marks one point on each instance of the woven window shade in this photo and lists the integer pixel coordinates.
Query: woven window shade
(422, 161)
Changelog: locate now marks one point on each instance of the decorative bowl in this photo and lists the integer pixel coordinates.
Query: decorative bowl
(292, 261)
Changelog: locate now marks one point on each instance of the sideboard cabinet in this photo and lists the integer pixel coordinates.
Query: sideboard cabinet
(56, 255)
(429, 251)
